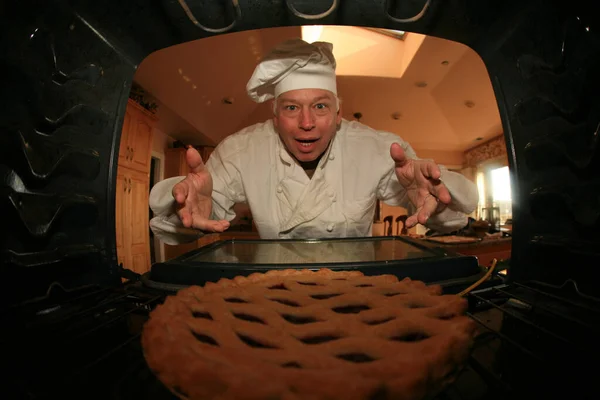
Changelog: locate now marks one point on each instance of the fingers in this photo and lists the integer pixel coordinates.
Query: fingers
(398, 155)
(412, 221)
(421, 216)
(208, 225)
(194, 160)
(185, 216)
(191, 219)
(429, 207)
(180, 192)
(441, 192)
(430, 170)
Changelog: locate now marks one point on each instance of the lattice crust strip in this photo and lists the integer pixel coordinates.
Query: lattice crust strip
(295, 334)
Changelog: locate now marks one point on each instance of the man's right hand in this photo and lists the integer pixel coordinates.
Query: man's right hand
(193, 196)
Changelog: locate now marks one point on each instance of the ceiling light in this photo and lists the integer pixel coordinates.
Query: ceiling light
(445, 63)
(227, 100)
(469, 104)
(421, 84)
(311, 33)
(396, 115)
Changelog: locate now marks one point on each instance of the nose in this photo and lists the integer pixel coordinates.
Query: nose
(307, 120)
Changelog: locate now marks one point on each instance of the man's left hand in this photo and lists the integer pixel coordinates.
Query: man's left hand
(421, 179)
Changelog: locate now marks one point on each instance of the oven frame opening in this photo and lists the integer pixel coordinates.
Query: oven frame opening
(67, 70)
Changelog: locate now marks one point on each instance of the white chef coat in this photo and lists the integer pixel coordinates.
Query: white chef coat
(253, 167)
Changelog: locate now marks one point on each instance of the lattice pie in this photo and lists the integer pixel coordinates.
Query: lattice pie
(308, 335)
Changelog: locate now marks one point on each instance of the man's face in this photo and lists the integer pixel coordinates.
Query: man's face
(306, 120)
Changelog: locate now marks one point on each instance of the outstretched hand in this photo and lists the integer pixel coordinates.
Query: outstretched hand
(193, 196)
(421, 179)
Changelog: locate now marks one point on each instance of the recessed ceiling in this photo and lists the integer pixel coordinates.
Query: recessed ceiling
(377, 74)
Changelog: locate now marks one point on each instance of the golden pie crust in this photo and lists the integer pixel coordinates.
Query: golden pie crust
(301, 334)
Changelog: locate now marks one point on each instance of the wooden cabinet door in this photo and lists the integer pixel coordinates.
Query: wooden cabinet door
(175, 163)
(136, 138)
(131, 220)
(131, 202)
(124, 146)
(140, 142)
(138, 214)
(121, 219)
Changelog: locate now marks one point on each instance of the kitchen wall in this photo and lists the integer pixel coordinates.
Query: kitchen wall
(434, 94)
(170, 125)
(161, 141)
(494, 149)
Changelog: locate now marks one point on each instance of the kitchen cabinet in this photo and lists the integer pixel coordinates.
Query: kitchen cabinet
(175, 163)
(136, 138)
(132, 189)
(133, 239)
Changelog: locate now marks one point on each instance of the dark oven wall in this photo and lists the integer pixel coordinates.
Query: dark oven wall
(545, 75)
(67, 69)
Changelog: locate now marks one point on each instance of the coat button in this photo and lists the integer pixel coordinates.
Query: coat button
(331, 157)
(329, 227)
(279, 189)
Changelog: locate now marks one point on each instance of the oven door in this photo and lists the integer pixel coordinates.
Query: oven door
(399, 256)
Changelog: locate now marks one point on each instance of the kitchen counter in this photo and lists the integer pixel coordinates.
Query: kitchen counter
(485, 250)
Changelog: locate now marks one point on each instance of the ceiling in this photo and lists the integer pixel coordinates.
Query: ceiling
(434, 93)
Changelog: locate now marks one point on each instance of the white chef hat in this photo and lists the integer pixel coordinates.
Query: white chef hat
(294, 64)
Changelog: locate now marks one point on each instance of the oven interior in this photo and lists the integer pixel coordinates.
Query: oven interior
(71, 326)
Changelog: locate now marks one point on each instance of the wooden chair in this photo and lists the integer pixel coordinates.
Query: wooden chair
(404, 231)
(388, 221)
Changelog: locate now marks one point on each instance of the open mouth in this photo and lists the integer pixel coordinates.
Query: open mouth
(306, 142)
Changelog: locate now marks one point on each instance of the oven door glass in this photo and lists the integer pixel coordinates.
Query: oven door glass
(309, 252)
(397, 255)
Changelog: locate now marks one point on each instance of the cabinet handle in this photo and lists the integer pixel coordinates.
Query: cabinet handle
(125, 186)
(130, 153)
(129, 186)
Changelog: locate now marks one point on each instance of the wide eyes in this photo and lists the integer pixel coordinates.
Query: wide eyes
(320, 108)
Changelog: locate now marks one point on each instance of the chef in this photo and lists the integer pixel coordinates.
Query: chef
(307, 172)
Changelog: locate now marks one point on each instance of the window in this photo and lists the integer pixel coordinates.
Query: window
(482, 195)
(495, 198)
(501, 193)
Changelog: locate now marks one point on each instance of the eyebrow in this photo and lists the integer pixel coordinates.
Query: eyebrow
(320, 98)
(324, 97)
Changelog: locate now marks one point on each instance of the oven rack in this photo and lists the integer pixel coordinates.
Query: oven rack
(531, 334)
